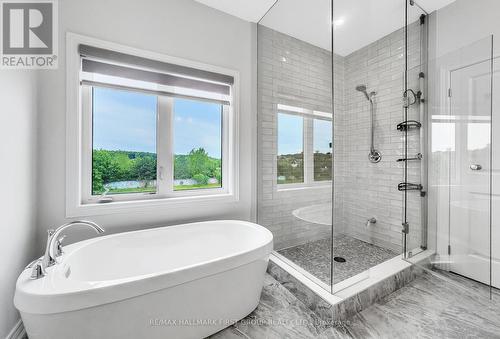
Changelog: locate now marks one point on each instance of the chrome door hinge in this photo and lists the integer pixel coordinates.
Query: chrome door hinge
(449, 92)
(449, 249)
(406, 228)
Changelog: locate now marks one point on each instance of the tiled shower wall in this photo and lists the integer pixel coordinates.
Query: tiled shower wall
(370, 190)
(293, 72)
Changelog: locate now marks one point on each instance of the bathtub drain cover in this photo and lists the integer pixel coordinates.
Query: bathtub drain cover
(339, 259)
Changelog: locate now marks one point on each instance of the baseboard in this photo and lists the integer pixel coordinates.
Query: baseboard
(17, 331)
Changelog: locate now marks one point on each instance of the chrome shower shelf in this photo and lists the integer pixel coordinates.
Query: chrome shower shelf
(406, 186)
(418, 156)
(407, 125)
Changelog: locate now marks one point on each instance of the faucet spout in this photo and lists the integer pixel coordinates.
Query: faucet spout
(55, 240)
(54, 246)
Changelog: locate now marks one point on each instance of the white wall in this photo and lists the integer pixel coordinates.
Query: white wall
(180, 28)
(463, 23)
(17, 170)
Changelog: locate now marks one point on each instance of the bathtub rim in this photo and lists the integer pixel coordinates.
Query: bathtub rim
(42, 296)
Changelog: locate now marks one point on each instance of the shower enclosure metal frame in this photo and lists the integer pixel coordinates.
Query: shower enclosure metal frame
(418, 97)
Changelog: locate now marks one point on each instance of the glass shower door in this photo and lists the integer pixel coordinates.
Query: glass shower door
(470, 181)
(295, 135)
(462, 232)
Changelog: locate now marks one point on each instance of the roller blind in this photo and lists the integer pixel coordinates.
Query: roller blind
(170, 79)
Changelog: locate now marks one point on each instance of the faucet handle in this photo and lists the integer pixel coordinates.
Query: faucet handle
(38, 270)
(59, 247)
(31, 264)
(47, 259)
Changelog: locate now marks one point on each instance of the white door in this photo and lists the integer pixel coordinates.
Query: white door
(471, 206)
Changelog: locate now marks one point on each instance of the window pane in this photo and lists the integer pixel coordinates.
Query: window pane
(123, 142)
(197, 145)
(322, 150)
(290, 149)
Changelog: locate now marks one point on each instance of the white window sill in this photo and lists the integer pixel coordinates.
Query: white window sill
(298, 187)
(91, 209)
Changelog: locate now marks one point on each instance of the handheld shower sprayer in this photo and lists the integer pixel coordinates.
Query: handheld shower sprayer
(374, 156)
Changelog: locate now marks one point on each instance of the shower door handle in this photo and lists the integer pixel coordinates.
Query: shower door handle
(476, 167)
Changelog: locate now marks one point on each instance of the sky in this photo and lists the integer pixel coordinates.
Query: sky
(322, 135)
(290, 134)
(126, 121)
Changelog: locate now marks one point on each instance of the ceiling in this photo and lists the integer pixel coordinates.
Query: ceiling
(249, 10)
(357, 23)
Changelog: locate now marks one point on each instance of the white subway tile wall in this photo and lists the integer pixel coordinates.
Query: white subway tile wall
(293, 72)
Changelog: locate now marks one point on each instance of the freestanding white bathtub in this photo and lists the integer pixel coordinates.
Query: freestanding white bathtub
(184, 281)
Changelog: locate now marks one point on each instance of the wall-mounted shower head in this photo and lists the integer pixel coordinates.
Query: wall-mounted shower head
(362, 89)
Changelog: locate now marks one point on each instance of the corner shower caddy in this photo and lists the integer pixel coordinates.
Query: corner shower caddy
(410, 98)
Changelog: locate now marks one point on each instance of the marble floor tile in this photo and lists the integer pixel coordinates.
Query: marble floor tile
(280, 315)
(315, 257)
(428, 307)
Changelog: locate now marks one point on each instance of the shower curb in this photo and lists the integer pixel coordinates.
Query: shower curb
(349, 306)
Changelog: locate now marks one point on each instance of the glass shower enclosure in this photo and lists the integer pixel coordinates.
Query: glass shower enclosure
(329, 142)
(295, 133)
(373, 146)
(461, 233)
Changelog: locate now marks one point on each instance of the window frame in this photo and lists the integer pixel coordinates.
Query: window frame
(308, 117)
(165, 154)
(79, 198)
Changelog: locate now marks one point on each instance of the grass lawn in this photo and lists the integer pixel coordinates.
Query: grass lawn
(132, 190)
(153, 189)
(193, 187)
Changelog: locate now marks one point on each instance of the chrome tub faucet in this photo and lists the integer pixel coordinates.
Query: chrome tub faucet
(53, 248)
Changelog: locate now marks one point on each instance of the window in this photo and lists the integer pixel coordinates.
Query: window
(322, 141)
(197, 145)
(138, 138)
(124, 156)
(304, 143)
(290, 149)
(151, 130)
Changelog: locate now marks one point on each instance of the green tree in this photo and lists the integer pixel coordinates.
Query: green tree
(144, 168)
(218, 175)
(181, 170)
(198, 162)
(291, 168)
(104, 169)
(201, 179)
